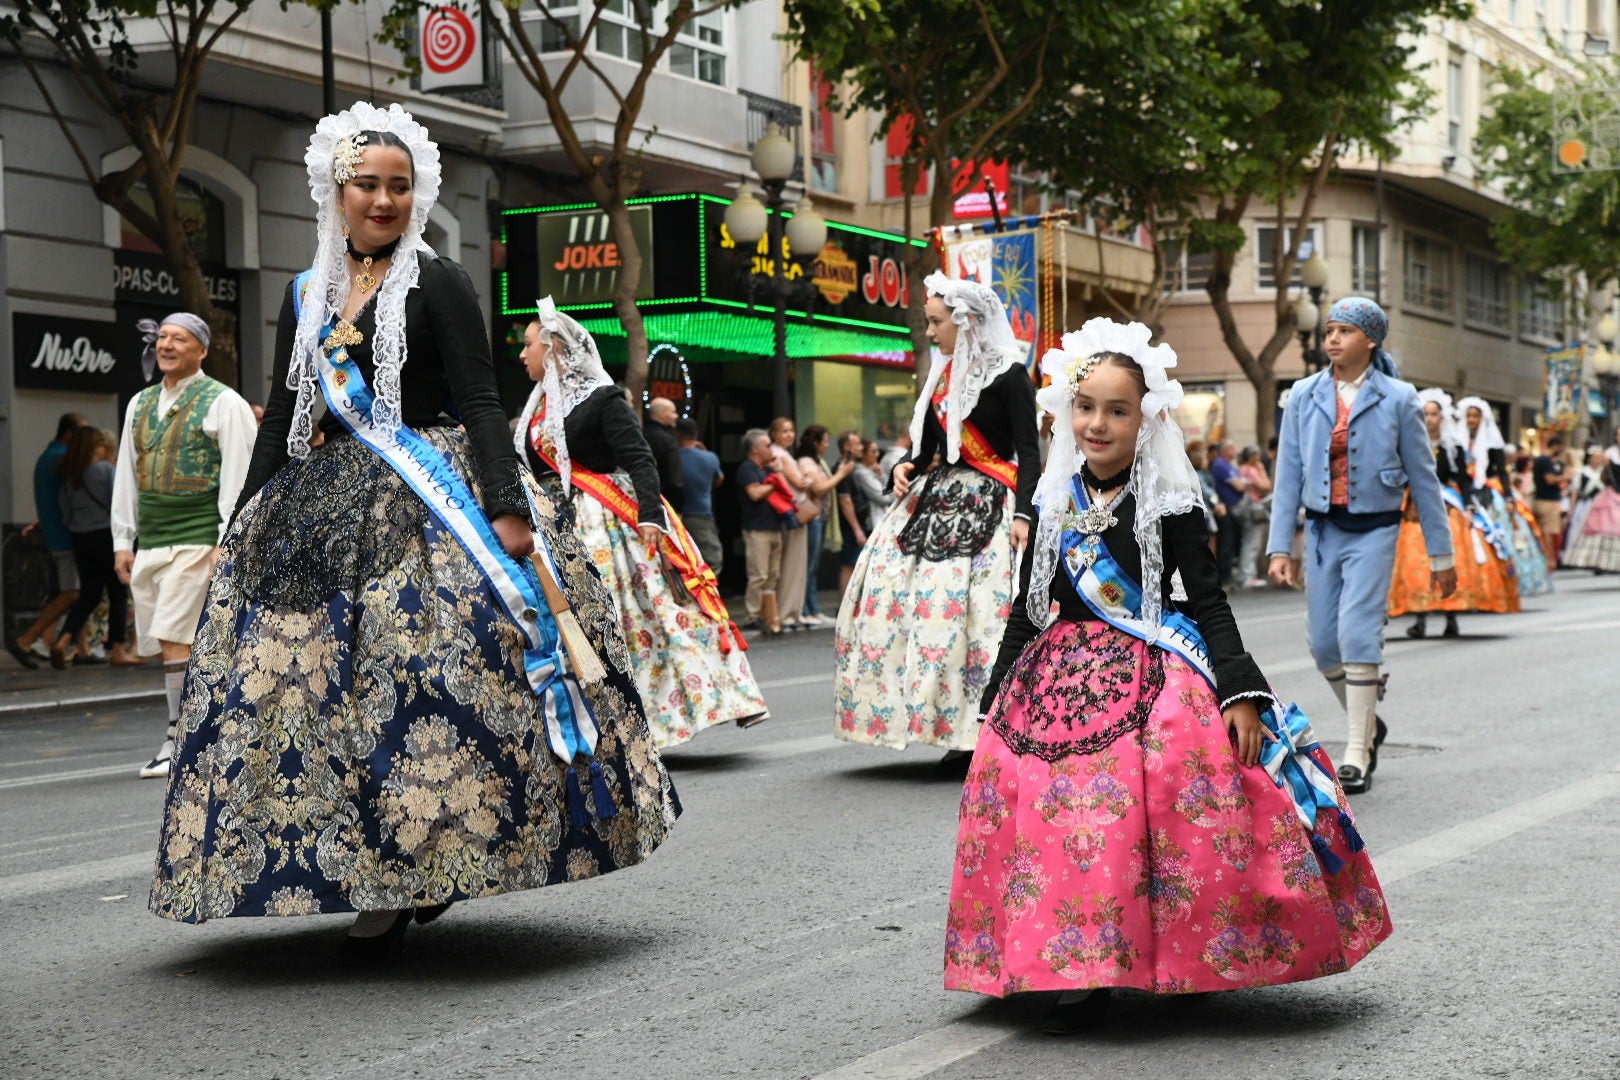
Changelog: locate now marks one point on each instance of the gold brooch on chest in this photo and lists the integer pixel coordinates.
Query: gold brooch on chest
(342, 336)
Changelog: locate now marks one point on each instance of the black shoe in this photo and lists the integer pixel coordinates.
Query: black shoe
(425, 915)
(81, 659)
(1353, 780)
(955, 762)
(1075, 1018)
(1418, 629)
(21, 654)
(1380, 729)
(1451, 629)
(385, 948)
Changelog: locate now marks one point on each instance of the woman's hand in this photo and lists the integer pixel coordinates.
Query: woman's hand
(1243, 718)
(515, 535)
(902, 479)
(652, 536)
(1020, 534)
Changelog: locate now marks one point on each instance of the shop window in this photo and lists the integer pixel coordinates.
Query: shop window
(1186, 271)
(1486, 302)
(1427, 275)
(823, 143)
(1264, 239)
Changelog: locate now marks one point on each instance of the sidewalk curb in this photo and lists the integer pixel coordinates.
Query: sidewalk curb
(58, 704)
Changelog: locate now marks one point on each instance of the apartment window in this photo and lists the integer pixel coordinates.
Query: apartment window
(1264, 238)
(823, 144)
(1185, 271)
(1427, 283)
(699, 50)
(1541, 16)
(1366, 260)
(1541, 315)
(1487, 293)
(1513, 12)
(619, 34)
(1454, 103)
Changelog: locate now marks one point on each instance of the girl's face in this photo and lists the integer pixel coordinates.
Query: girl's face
(941, 330)
(536, 354)
(1432, 417)
(377, 203)
(1474, 418)
(1107, 418)
(786, 436)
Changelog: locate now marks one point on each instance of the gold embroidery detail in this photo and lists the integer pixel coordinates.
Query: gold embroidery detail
(342, 336)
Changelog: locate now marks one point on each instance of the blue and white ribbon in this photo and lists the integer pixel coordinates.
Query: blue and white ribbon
(570, 727)
(1117, 600)
(1310, 787)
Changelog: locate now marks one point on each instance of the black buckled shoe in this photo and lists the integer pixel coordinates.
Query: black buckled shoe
(425, 915)
(384, 948)
(1353, 780)
(1076, 1017)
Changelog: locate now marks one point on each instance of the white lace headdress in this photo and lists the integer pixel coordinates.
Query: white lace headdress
(1488, 438)
(1162, 476)
(985, 347)
(574, 373)
(330, 159)
(1452, 434)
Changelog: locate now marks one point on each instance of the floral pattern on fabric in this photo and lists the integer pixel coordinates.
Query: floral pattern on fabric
(383, 749)
(916, 637)
(1484, 581)
(685, 682)
(1194, 875)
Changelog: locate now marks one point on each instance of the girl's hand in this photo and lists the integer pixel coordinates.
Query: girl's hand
(1020, 535)
(652, 536)
(1243, 718)
(515, 535)
(902, 479)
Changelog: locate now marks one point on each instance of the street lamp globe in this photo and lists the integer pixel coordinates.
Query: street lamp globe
(1606, 362)
(773, 154)
(1305, 314)
(1314, 272)
(746, 219)
(806, 231)
(1607, 329)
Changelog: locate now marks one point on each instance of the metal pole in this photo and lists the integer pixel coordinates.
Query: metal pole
(779, 383)
(328, 80)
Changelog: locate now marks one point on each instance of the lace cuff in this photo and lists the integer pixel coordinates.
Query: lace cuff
(1246, 695)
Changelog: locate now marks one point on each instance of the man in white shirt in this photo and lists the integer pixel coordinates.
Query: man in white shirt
(181, 463)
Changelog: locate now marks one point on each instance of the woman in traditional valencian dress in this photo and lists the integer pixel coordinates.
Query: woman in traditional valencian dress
(1131, 816)
(1596, 545)
(379, 717)
(1485, 574)
(583, 442)
(1495, 494)
(932, 589)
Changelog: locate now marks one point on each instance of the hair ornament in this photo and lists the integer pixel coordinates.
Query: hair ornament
(346, 156)
(1072, 364)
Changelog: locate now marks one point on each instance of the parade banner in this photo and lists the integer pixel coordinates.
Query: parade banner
(1006, 263)
(1562, 389)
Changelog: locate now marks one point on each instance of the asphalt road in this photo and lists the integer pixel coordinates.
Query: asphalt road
(793, 925)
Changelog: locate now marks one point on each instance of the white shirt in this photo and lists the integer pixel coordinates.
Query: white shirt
(229, 422)
(1349, 390)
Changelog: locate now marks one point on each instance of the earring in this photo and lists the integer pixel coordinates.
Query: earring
(345, 230)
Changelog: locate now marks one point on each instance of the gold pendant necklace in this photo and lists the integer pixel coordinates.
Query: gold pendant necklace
(365, 281)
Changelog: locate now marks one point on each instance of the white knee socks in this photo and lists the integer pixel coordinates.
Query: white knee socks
(174, 683)
(1361, 705)
(1335, 679)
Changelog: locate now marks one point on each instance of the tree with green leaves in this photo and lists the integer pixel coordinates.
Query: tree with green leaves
(1225, 106)
(960, 73)
(1562, 223)
(554, 51)
(91, 40)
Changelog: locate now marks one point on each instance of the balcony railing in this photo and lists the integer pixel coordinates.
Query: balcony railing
(789, 117)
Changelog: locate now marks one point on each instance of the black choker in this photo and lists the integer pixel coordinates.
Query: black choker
(384, 252)
(1104, 483)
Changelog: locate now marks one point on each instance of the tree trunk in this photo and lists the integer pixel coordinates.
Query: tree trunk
(624, 293)
(161, 182)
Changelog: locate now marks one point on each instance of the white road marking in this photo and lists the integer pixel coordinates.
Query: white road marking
(130, 770)
(802, 680)
(123, 698)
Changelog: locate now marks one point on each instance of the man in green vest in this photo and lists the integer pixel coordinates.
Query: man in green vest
(181, 464)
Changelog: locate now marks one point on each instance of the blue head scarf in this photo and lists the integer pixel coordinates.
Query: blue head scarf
(1369, 318)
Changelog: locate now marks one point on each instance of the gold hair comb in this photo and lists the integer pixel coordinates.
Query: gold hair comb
(346, 156)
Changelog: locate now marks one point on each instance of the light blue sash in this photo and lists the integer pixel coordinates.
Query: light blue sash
(1482, 525)
(570, 727)
(1117, 600)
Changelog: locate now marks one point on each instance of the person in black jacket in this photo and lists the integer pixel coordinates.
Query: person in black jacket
(666, 449)
(1117, 828)
(932, 587)
(368, 725)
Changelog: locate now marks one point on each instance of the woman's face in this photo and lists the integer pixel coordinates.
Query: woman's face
(821, 445)
(376, 203)
(1474, 418)
(786, 435)
(941, 330)
(536, 353)
(869, 454)
(1107, 418)
(1432, 417)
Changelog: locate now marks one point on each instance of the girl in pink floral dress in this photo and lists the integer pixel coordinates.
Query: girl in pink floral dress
(1140, 811)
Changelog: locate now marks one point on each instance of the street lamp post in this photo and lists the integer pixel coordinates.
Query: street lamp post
(1308, 312)
(747, 220)
(1606, 365)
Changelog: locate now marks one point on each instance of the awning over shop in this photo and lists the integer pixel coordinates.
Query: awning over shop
(697, 291)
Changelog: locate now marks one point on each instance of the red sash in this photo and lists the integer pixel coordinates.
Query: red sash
(976, 449)
(678, 546)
